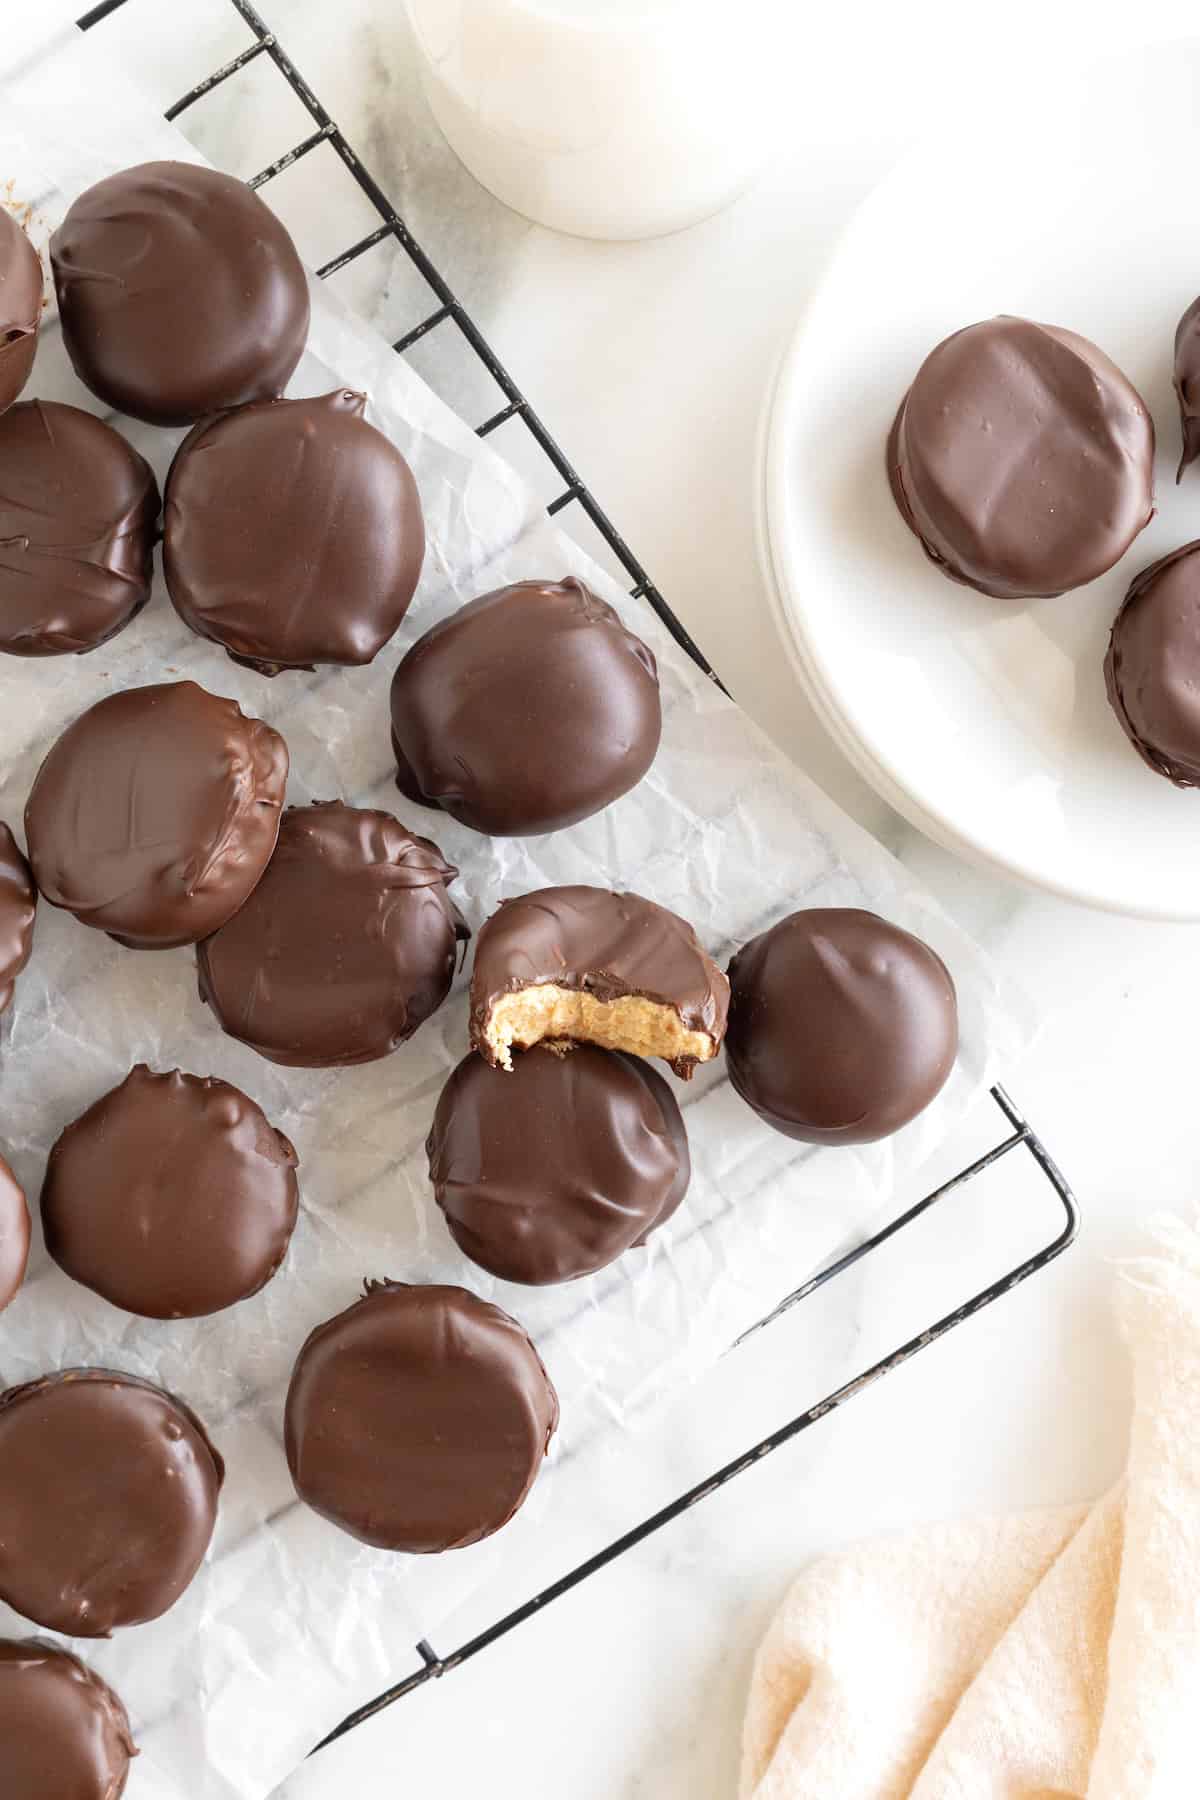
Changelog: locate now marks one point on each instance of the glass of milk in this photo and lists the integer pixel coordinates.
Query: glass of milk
(606, 118)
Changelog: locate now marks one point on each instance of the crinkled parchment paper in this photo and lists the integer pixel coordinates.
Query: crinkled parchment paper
(290, 1620)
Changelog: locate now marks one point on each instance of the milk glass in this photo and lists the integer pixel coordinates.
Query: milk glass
(606, 118)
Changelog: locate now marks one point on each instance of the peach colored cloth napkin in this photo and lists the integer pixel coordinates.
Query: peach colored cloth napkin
(1045, 1656)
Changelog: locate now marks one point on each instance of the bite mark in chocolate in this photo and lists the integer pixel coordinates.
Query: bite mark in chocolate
(584, 964)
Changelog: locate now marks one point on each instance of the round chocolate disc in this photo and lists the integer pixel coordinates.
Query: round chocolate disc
(293, 533)
(1152, 669)
(14, 1234)
(172, 1196)
(553, 1171)
(526, 710)
(64, 1735)
(180, 293)
(345, 947)
(155, 813)
(18, 909)
(418, 1418)
(1022, 458)
(78, 516)
(20, 307)
(108, 1501)
(1187, 384)
(842, 1027)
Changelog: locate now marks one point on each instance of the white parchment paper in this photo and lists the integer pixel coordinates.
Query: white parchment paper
(290, 1621)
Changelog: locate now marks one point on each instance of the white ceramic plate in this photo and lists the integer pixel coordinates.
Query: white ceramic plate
(987, 725)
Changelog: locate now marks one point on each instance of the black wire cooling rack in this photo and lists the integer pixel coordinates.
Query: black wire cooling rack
(1018, 1135)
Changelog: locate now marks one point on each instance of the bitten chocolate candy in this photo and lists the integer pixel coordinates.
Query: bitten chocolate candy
(418, 1418)
(64, 1735)
(154, 814)
(293, 533)
(585, 965)
(108, 1500)
(18, 909)
(346, 946)
(526, 710)
(20, 307)
(1152, 669)
(1022, 458)
(172, 1196)
(180, 293)
(842, 1027)
(14, 1234)
(78, 517)
(553, 1171)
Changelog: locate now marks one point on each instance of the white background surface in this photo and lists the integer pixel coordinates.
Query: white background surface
(651, 362)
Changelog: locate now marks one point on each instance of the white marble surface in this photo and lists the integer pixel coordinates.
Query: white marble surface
(651, 362)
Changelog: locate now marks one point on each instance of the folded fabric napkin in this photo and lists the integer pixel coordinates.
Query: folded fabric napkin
(1045, 1656)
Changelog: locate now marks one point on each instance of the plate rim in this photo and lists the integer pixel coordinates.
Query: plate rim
(771, 482)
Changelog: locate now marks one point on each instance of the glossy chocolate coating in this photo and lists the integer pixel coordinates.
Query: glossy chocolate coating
(526, 710)
(590, 940)
(20, 307)
(78, 517)
(1187, 384)
(172, 1196)
(346, 946)
(155, 813)
(293, 533)
(418, 1418)
(64, 1735)
(14, 1234)
(180, 293)
(18, 909)
(1022, 458)
(842, 1027)
(1152, 669)
(553, 1171)
(108, 1500)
